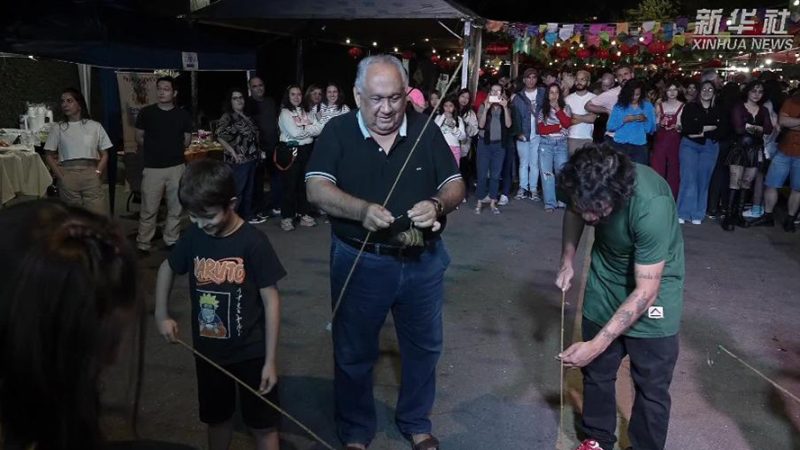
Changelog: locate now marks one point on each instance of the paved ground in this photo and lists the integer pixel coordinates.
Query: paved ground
(498, 381)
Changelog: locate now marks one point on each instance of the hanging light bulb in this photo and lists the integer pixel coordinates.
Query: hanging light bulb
(347, 41)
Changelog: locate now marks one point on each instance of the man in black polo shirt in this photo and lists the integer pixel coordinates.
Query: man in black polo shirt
(163, 131)
(356, 160)
(264, 113)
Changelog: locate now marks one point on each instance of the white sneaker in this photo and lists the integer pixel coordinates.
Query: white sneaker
(503, 200)
(696, 222)
(287, 225)
(307, 221)
(520, 194)
(681, 221)
(535, 197)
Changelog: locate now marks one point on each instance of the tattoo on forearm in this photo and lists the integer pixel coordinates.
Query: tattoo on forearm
(646, 275)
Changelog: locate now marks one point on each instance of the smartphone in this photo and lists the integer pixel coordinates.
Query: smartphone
(494, 99)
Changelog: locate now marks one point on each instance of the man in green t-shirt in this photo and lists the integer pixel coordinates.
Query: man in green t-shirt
(634, 293)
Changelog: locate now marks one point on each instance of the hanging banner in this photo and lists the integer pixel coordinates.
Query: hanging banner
(136, 90)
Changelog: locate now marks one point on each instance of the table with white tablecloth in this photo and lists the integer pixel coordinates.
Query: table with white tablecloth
(22, 171)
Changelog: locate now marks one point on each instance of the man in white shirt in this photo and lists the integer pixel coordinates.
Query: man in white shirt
(580, 133)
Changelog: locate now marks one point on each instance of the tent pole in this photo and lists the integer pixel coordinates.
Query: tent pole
(476, 60)
(465, 56)
(299, 62)
(195, 114)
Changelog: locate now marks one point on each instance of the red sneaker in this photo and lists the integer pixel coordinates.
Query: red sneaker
(589, 444)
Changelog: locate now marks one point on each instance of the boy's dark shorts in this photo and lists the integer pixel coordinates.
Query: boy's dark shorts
(216, 393)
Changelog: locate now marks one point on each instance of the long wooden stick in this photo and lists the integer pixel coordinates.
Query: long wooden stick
(255, 392)
(757, 372)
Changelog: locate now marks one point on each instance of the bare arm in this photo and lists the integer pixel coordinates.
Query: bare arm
(584, 118)
(789, 122)
(571, 231)
(507, 114)
(648, 281)
(103, 162)
(166, 326)
(272, 316)
(187, 139)
(596, 109)
(52, 163)
(139, 138)
(482, 117)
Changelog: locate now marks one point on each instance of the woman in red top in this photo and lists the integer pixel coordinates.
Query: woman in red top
(666, 144)
(553, 124)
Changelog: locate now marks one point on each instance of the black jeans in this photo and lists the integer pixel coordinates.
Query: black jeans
(652, 363)
(293, 181)
(637, 153)
(718, 189)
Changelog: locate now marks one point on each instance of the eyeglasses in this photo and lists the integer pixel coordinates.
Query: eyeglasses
(708, 89)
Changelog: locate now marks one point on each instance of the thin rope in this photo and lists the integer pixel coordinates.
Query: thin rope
(246, 386)
(388, 196)
(769, 380)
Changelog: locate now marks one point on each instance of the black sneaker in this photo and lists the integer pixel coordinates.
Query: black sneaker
(789, 226)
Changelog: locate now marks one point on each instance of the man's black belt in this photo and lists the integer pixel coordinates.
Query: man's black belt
(389, 249)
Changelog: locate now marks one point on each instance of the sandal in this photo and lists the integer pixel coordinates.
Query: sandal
(478, 208)
(495, 210)
(429, 443)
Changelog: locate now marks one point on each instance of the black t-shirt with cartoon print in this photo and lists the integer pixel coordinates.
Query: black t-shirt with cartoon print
(225, 275)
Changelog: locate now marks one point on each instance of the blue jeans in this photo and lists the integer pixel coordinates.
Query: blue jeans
(412, 288)
(244, 176)
(528, 152)
(553, 154)
(637, 153)
(697, 164)
(490, 160)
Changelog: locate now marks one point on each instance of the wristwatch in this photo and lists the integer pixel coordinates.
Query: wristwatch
(438, 205)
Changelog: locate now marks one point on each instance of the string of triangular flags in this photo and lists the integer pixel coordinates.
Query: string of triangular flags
(652, 34)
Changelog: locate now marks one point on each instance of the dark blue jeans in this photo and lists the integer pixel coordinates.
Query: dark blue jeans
(412, 289)
(244, 177)
(652, 363)
(490, 160)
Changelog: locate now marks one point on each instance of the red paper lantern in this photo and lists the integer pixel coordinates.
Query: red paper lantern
(659, 60)
(355, 52)
(583, 53)
(715, 63)
(497, 48)
(602, 54)
(614, 57)
(435, 58)
(408, 54)
(562, 52)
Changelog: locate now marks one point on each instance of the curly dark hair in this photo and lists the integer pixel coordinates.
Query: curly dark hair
(597, 176)
(626, 93)
(749, 87)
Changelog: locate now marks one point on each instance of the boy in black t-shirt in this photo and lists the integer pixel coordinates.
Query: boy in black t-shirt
(233, 272)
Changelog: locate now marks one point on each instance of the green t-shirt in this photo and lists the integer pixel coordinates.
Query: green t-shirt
(644, 231)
